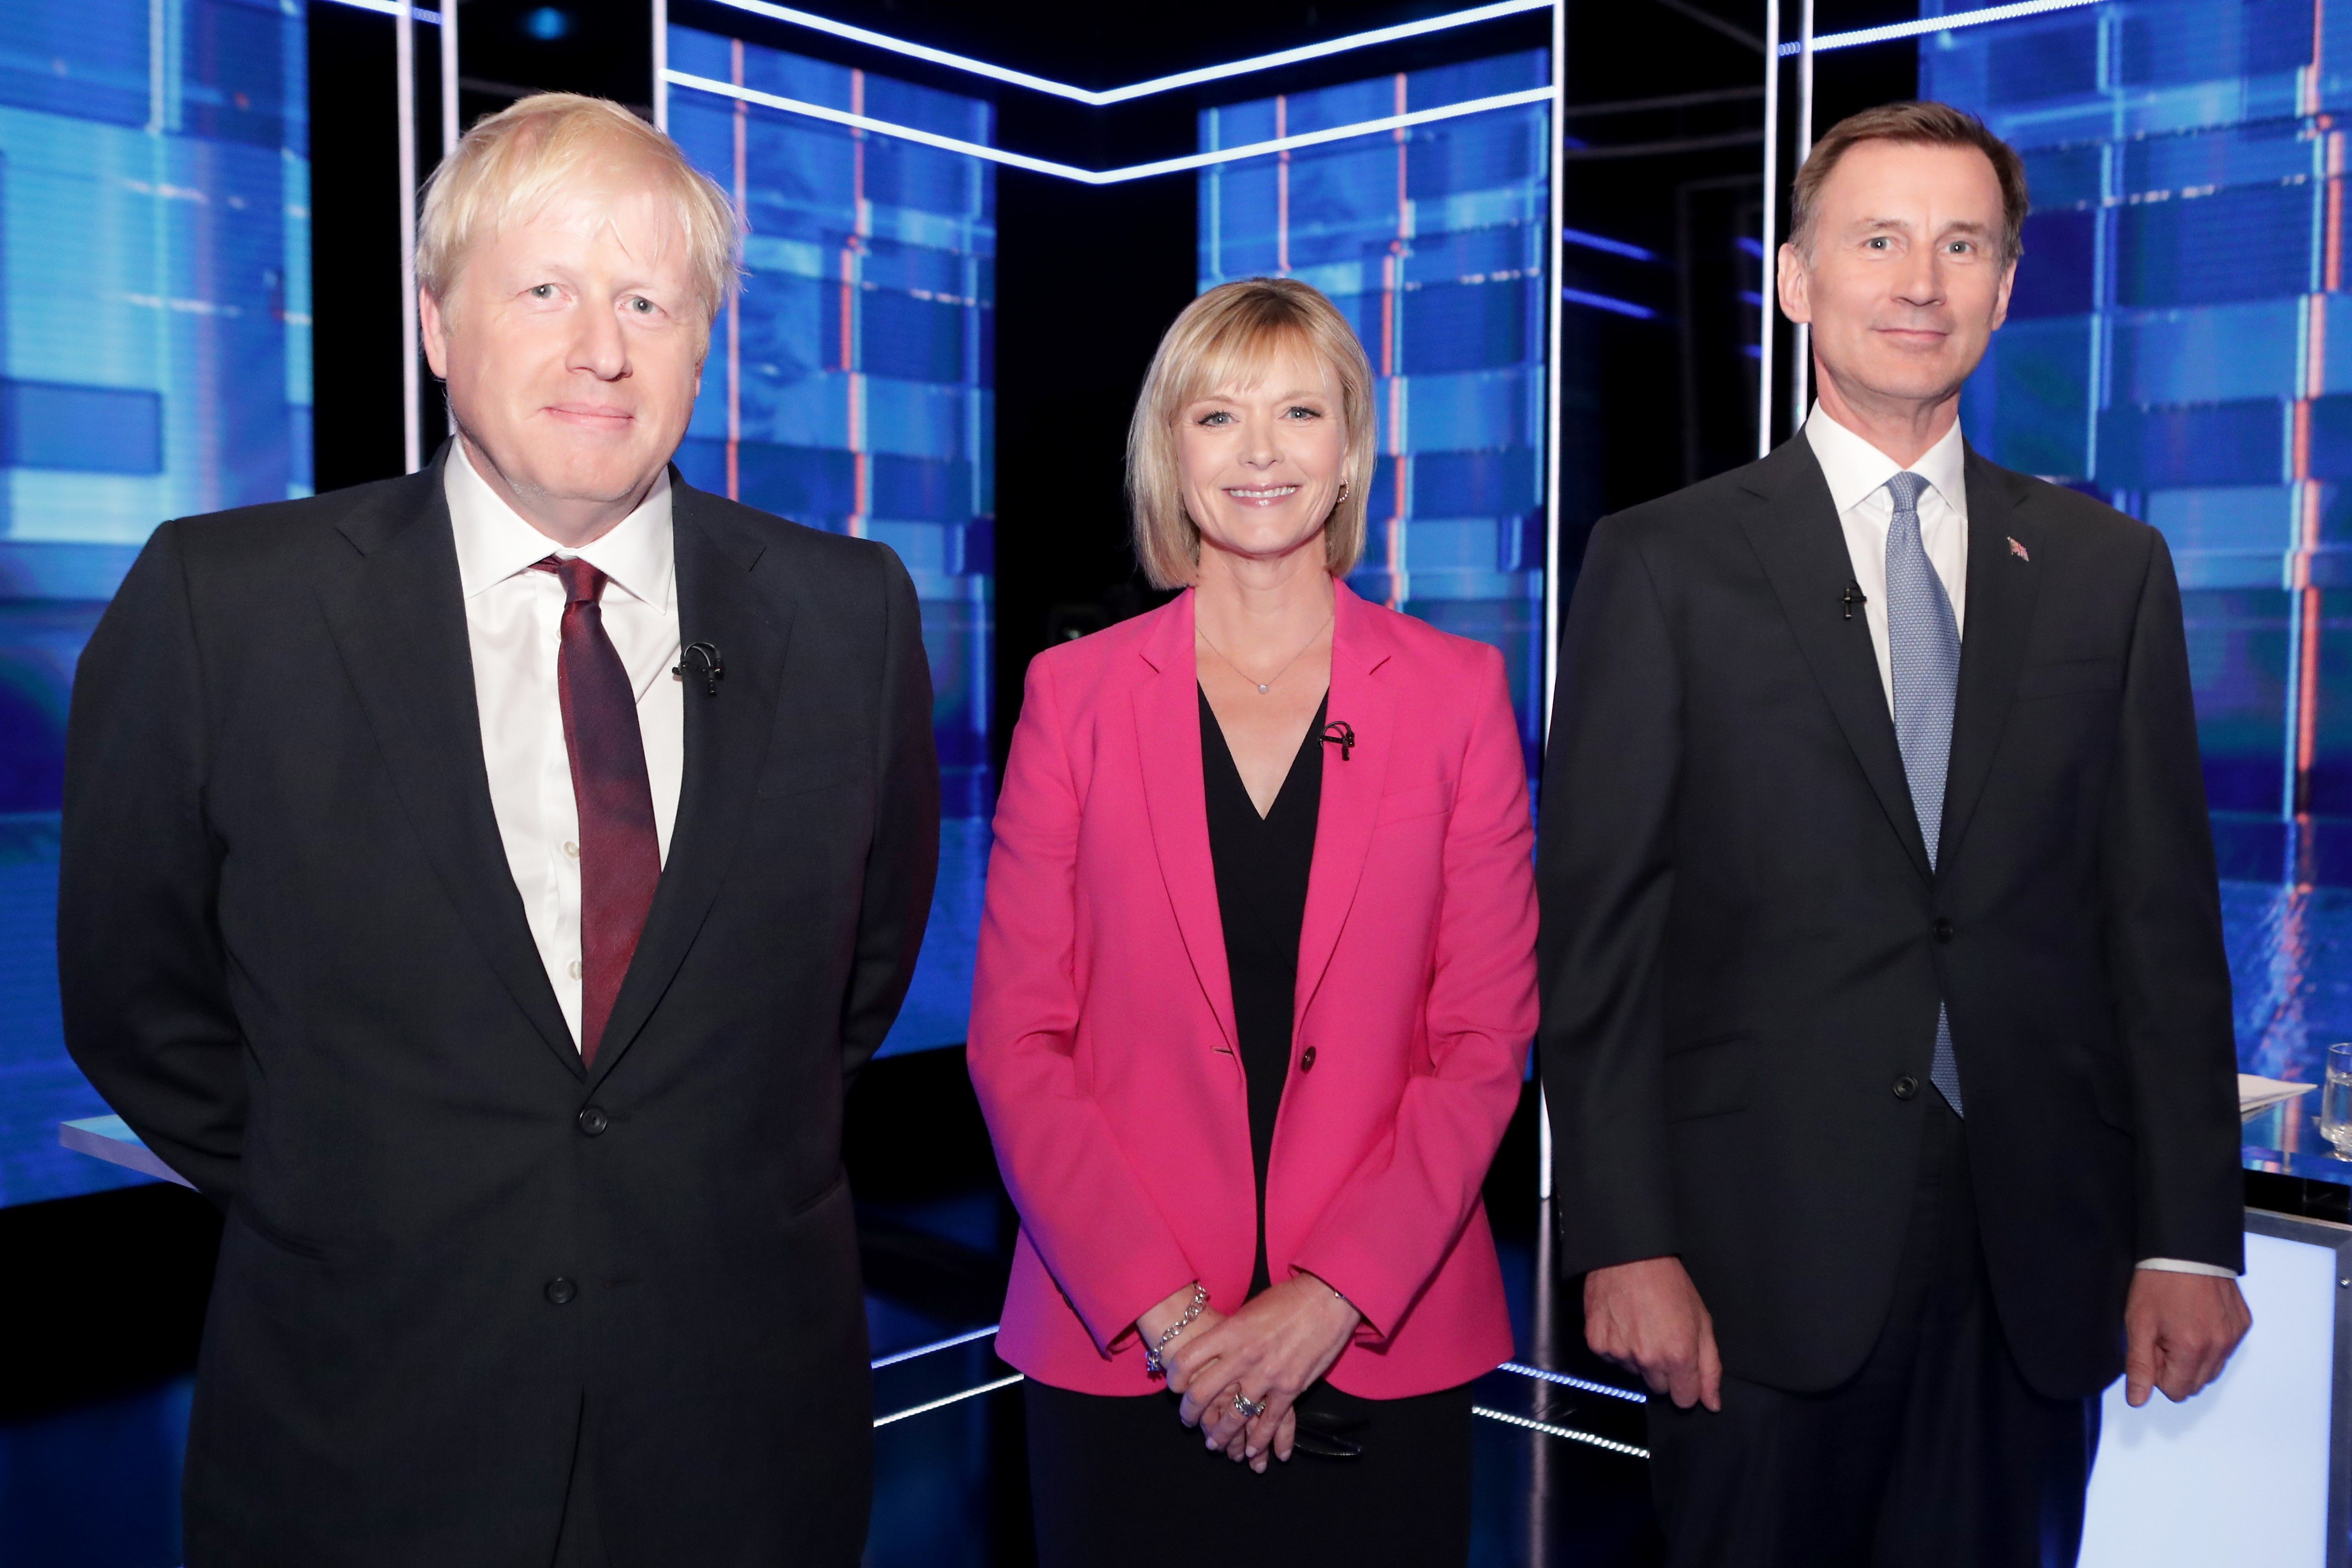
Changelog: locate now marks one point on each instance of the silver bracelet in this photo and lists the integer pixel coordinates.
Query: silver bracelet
(1153, 1364)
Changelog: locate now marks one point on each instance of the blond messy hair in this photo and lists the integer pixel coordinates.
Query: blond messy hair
(512, 163)
(1225, 339)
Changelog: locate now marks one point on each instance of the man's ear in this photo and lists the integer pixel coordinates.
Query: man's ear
(2001, 299)
(435, 331)
(1794, 285)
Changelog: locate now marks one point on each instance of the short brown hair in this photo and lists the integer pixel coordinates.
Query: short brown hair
(1218, 339)
(1915, 123)
(509, 165)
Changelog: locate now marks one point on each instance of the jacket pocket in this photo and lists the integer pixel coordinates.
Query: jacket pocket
(1430, 800)
(822, 1195)
(284, 1241)
(2067, 676)
(1713, 1077)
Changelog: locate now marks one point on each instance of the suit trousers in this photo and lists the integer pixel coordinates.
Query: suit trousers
(1936, 1454)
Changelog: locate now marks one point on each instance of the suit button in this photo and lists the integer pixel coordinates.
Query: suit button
(1943, 929)
(560, 1290)
(593, 1121)
(1906, 1087)
(1307, 1061)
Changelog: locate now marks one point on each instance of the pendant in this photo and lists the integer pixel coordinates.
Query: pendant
(1263, 690)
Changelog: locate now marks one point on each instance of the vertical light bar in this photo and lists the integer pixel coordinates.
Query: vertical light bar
(404, 63)
(1766, 389)
(1555, 128)
(450, 129)
(1800, 355)
(661, 60)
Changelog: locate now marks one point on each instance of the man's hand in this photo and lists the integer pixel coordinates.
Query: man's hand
(1272, 1349)
(2179, 1330)
(1647, 1318)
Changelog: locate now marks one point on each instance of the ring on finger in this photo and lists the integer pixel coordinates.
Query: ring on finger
(1247, 1409)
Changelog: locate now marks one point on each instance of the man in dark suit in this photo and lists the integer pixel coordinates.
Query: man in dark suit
(482, 886)
(1887, 1020)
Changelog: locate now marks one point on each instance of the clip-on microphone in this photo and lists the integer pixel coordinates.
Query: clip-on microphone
(703, 656)
(1342, 734)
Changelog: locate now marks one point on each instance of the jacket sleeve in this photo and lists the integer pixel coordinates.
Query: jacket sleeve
(1392, 1225)
(2167, 965)
(1605, 866)
(903, 861)
(142, 973)
(1093, 1223)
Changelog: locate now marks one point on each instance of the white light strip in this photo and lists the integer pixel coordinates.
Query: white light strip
(1105, 176)
(925, 1409)
(394, 8)
(1138, 89)
(1566, 1381)
(1895, 30)
(1549, 1430)
(922, 1350)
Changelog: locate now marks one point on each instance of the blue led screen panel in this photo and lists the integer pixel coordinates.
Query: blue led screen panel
(1431, 240)
(2180, 343)
(851, 388)
(155, 361)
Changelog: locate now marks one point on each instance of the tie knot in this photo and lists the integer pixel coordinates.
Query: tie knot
(583, 583)
(1907, 488)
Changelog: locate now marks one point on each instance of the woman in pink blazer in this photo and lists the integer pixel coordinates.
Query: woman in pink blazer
(1256, 986)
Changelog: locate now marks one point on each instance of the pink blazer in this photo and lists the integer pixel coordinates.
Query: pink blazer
(1102, 1039)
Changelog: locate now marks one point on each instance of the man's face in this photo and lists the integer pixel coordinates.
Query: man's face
(572, 345)
(1904, 284)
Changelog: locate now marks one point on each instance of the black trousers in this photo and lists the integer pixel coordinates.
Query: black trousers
(1122, 1483)
(1935, 1455)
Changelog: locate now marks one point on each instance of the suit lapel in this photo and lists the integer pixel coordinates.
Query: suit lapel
(2002, 588)
(1797, 536)
(398, 619)
(1175, 798)
(1352, 788)
(727, 736)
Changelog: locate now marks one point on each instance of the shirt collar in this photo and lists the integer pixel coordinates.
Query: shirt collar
(638, 554)
(1856, 469)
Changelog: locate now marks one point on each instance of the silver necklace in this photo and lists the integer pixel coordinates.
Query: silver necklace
(1265, 685)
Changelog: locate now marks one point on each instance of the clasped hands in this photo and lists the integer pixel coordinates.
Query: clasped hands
(2180, 1331)
(1271, 1351)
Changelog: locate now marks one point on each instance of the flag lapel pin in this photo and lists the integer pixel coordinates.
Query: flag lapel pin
(2017, 549)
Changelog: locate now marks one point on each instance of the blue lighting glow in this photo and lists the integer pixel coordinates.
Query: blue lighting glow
(547, 24)
(1602, 302)
(1601, 242)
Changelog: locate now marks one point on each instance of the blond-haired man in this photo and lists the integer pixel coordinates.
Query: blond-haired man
(482, 884)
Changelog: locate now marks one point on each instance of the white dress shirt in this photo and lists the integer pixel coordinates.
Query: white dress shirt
(1857, 473)
(513, 627)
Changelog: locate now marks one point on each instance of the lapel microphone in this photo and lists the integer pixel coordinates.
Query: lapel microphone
(1342, 734)
(704, 657)
(1852, 596)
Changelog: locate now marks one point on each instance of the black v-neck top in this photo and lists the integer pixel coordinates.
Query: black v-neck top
(1261, 867)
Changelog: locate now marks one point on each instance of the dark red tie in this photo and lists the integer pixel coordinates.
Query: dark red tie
(620, 853)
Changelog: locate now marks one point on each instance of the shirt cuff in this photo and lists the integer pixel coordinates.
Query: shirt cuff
(2181, 1266)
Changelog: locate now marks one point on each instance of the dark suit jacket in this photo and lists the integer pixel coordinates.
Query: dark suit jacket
(292, 956)
(1744, 947)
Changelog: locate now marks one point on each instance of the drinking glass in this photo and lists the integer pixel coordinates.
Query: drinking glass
(2335, 1099)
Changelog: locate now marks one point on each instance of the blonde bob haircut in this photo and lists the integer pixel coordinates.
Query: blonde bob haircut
(513, 163)
(1226, 338)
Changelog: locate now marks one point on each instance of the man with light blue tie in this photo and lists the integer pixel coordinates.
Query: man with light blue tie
(1886, 1019)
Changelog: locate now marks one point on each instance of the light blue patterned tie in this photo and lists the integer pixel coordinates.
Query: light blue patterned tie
(1923, 644)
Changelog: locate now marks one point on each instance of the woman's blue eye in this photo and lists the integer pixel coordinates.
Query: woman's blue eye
(542, 291)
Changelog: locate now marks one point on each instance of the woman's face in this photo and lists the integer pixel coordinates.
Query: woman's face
(1263, 459)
